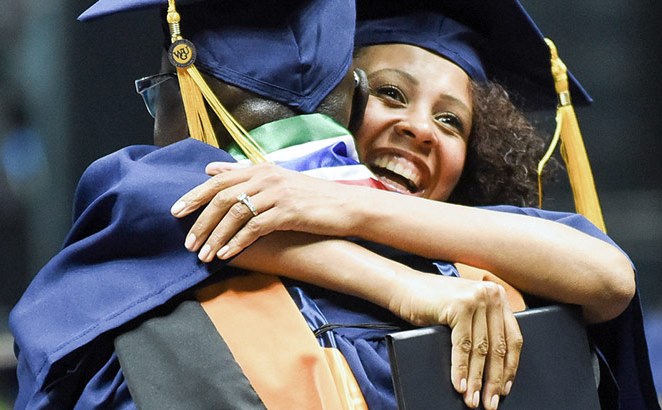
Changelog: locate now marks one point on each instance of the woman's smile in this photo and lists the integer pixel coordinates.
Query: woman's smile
(399, 171)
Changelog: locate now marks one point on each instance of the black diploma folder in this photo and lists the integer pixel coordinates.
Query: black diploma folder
(555, 370)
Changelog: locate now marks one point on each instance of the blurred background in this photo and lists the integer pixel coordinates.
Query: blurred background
(67, 98)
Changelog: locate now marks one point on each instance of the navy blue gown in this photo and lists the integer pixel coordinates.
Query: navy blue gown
(124, 256)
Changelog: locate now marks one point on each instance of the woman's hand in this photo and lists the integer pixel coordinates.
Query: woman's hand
(485, 335)
(283, 199)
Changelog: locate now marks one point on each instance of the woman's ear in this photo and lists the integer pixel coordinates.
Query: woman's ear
(359, 100)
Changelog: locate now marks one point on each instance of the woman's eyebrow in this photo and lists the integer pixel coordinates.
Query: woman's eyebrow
(449, 99)
(397, 72)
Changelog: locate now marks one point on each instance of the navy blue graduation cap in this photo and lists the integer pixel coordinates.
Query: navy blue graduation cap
(499, 41)
(291, 51)
(494, 39)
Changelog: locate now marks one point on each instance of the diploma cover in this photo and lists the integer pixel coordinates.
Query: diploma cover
(555, 369)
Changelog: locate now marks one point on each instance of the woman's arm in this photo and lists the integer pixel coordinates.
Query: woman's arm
(485, 334)
(536, 256)
(540, 257)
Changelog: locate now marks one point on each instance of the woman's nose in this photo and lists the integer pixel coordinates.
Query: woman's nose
(419, 128)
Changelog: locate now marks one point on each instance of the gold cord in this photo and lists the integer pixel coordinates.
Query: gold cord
(573, 150)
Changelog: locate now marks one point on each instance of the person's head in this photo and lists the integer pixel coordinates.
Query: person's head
(264, 60)
(436, 126)
(249, 108)
(418, 119)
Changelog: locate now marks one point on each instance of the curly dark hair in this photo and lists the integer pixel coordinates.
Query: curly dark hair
(502, 155)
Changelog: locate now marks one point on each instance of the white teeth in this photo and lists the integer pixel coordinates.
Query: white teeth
(408, 174)
(399, 166)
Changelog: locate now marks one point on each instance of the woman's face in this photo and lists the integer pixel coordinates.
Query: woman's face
(417, 121)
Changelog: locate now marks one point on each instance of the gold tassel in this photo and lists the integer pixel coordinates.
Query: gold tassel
(199, 125)
(248, 145)
(572, 148)
(193, 88)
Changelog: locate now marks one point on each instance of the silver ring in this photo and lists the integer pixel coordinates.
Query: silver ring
(246, 200)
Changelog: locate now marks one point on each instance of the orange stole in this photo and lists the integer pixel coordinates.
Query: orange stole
(275, 348)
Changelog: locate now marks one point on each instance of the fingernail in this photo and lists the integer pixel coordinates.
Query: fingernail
(476, 399)
(204, 253)
(221, 252)
(509, 385)
(178, 207)
(463, 385)
(495, 402)
(190, 241)
(212, 168)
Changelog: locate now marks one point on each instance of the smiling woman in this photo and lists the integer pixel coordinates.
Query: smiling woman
(418, 119)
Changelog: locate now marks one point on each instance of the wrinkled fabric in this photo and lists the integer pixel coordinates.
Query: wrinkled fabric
(125, 256)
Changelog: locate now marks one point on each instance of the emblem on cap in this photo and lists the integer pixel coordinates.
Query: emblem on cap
(182, 53)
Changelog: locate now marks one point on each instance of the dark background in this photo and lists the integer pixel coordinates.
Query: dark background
(66, 88)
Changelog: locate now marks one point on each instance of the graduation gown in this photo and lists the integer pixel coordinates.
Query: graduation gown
(124, 257)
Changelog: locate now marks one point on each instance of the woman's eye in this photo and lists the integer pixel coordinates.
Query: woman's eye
(391, 92)
(451, 120)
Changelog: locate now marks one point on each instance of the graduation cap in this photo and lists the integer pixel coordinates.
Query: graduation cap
(494, 40)
(290, 51)
(498, 37)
